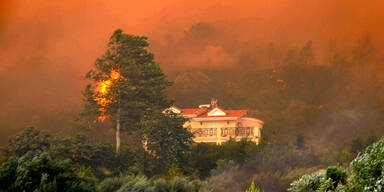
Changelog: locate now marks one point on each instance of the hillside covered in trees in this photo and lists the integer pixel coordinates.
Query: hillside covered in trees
(329, 102)
(307, 109)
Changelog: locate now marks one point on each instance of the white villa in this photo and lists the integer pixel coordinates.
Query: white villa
(212, 124)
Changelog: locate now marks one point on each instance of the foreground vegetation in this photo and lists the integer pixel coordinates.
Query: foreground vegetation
(365, 173)
(37, 160)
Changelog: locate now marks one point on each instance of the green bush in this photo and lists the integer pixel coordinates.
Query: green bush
(101, 157)
(174, 171)
(142, 184)
(182, 184)
(41, 173)
(30, 140)
(337, 175)
(367, 169)
(136, 184)
(204, 157)
(252, 188)
(311, 183)
(112, 184)
(366, 173)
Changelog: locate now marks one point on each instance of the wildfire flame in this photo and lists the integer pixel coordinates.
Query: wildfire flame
(103, 89)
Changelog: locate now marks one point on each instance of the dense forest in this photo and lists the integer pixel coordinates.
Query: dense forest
(330, 102)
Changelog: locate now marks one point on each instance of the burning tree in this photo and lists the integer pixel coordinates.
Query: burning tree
(127, 85)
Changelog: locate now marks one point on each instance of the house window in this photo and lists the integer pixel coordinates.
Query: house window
(244, 131)
(224, 132)
(201, 123)
(227, 122)
(211, 132)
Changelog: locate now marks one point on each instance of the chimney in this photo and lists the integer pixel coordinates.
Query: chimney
(213, 103)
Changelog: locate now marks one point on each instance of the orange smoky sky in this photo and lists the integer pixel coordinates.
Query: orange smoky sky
(47, 46)
(79, 29)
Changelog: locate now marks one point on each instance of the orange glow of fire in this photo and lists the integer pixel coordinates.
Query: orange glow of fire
(322, 106)
(103, 89)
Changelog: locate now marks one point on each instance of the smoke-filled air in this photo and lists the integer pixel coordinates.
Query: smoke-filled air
(216, 95)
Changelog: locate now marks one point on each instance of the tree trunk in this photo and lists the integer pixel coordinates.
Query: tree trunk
(118, 116)
(118, 132)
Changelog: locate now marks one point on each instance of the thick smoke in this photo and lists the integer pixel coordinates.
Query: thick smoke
(47, 46)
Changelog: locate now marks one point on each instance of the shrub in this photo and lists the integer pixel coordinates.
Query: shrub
(203, 158)
(337, 175)
(112, 184)
(142, 184)
(100, 157)
(136, 184)
(366, 173)
(182, 184)
(174, 171)
(226, 177)
(309, 183)
(30, 140)
(367, 169)
(41, 173)
(252, 188)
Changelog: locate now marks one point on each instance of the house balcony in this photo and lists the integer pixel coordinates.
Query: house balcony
(223, 134)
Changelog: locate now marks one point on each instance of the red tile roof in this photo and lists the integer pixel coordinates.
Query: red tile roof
(229, 113)
(197, 111)
(203, 112)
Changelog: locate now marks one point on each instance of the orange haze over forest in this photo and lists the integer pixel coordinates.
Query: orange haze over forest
(46, 47)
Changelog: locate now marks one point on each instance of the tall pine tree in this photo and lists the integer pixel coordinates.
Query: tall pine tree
(127, 85)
